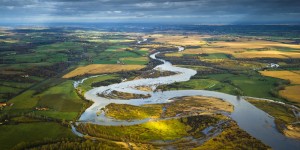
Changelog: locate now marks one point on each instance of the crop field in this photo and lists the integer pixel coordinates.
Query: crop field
(101, 68)
(291, 93)
(245, 48)
(179, 40)
(293, 77)
(267, 54)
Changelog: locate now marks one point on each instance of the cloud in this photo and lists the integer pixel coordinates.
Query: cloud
(220, 11)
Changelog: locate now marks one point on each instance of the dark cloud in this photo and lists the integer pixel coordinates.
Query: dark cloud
(186, 11)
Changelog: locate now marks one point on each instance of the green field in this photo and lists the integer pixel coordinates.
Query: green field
(254, 85)
(61, 100)
(87, 84)
(11, 135)
(216, 56)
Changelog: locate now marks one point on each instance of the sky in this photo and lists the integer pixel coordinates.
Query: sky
(152, 11)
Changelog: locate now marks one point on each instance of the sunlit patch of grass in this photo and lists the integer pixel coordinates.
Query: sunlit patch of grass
(130, 112)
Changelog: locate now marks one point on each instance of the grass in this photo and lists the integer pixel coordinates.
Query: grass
(284, 117)
(87, 84)
(112, 57)
(171, 129)
(130, 112)
(11, 135)
(58, 47)
(197, 84)
(6, 89)
(286, 75)
(133, 60)
(101, 68)
(278, 111)
(179, 40)
(25, 100)
(198, 68)
(229, 64)
(154, 130)
(16, 84)
(187, 105)
(61, 98)
(290, 93)
(233, 138)
(216, 56)
(231, 84)
(58, 114)
(267, 54)
(248, 84)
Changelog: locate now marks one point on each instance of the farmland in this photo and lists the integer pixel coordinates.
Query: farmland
(101, 69)
(46, 73)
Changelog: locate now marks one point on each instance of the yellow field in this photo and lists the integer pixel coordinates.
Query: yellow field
(253, 44)
(191, 40)
(286, 75)
(101, 68)
(291, 93)
(266, 54)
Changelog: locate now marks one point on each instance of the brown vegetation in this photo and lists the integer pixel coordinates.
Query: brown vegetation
(196, 104)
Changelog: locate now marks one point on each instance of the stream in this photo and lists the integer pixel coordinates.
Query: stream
(249, 118)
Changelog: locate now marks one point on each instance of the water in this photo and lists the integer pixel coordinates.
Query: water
(251, 119)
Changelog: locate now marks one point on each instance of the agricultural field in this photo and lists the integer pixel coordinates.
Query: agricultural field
(31, 132)
(290, 92)
(101, 69)
(46, 73)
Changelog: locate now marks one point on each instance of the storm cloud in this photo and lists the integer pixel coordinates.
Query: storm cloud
(167, 11)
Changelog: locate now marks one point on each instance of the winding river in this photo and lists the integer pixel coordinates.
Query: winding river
(251, 119)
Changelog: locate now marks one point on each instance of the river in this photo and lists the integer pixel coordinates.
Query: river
(249, 118)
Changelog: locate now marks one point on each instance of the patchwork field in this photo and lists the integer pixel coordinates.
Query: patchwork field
(245, 48)
(100, 69)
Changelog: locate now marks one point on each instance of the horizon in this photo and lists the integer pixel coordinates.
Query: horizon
(204, 12)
